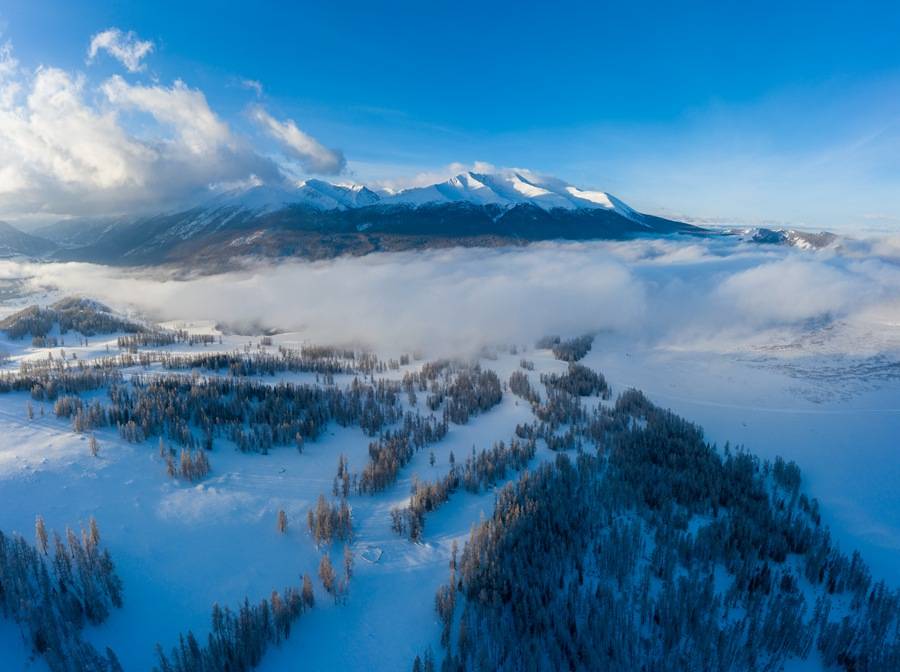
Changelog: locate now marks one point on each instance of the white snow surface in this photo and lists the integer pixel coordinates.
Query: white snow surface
(826, 395)
(504, 188)
(181, 547)
(508, 188)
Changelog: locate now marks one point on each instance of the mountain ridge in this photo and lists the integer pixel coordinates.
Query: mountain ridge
(315, 219)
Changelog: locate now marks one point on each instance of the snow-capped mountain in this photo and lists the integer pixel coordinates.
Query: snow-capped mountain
(317, 219)
(313, 193)
(791, 237)
(505, 189)
(510, 188)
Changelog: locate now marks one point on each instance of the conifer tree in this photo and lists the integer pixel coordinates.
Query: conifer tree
(307, 594)
(40, 533)
(348, 563)
(327, 574)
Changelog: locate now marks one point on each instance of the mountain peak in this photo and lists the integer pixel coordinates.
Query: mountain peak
(506, 188)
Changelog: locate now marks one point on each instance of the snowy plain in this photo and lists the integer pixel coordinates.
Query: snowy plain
(739, 340)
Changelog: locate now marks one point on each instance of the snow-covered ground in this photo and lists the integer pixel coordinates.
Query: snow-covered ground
(179, 548)
(842, 431)
(825, 393)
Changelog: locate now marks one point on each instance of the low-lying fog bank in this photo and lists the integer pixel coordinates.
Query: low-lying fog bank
(715, 295)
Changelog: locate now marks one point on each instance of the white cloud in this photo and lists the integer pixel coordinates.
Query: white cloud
(309, 152)
(64, 152)
(8, 63)
(791, 290)
(180, 108)
(54, 140)
(9, 66)
(253, 85)
(705, 295)
(425, 178)
(124, 47)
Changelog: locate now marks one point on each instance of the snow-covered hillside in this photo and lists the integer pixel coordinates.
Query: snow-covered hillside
(510, 188)
(785, 353)
(803, 240)
(316, 219)
(312, 193)
(181, 546)
(506, 188)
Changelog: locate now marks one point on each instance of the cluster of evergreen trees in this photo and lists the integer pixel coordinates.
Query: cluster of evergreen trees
(44, 342)
(256, 416)
(471, 391)
(362, 361)
(263, 363)
(84, 416)
(521, 386)
(192, 464)
(567, 350)
(578, 380)
(462, 389)
(328, 521)
(71, 314)
(47, 384)
(334, 585)
(396, 447)
(480, 471)
(156, 338)
(562, 420)
(659, 552)
(54, 588)
(239, 639)
(557, 409)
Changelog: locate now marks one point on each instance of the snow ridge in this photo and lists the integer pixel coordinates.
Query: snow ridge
(504, 188)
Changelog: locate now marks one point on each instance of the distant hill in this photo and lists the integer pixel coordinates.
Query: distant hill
(85, 316)
(79, 231)
(14, 242)
(790, 237)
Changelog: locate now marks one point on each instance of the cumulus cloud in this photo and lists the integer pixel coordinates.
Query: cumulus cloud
(125, 47)
(70, 147)
(54, 141)
(64, 151)
(309, 152)
(179, 107)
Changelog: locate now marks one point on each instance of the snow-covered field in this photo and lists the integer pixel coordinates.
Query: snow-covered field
(179, 548)
(848, 448)
(825, 394)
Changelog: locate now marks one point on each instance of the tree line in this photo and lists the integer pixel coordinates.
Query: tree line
(55, 587)
(654, 550)
(480, 471)
(567, 350)
(238, 639)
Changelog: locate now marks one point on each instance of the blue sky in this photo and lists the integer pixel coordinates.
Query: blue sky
(736, 111)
